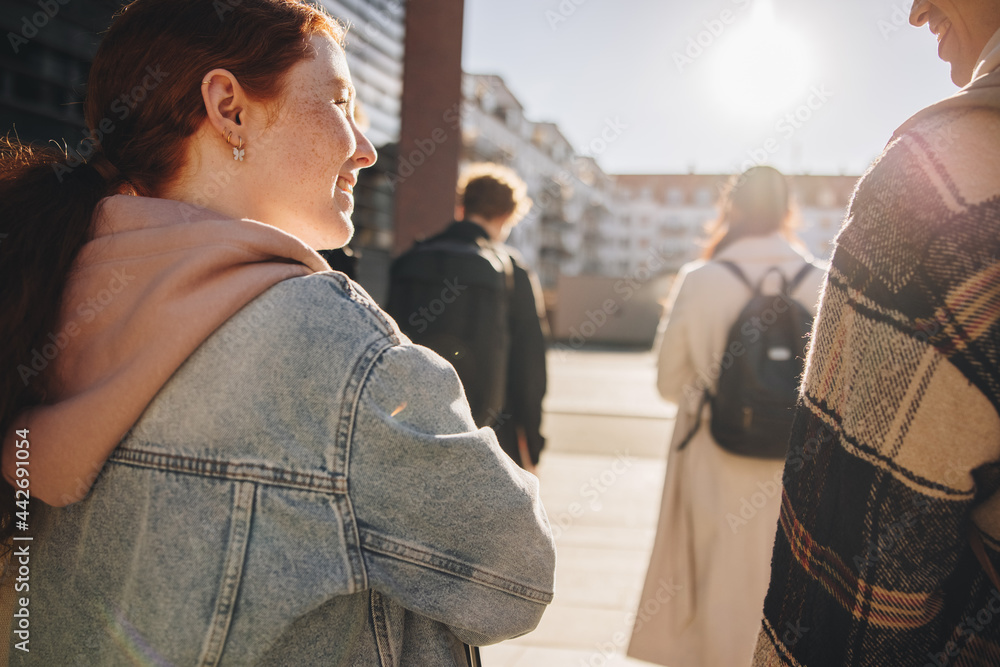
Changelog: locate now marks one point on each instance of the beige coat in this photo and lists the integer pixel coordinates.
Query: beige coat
(704, 590)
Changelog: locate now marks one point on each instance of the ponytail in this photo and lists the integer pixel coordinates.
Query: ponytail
(44, 222)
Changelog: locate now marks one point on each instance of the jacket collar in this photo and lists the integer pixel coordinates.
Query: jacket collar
(771, 249)
(466, 231)
(989, 59)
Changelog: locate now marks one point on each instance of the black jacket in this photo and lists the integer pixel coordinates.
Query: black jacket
(523, 381)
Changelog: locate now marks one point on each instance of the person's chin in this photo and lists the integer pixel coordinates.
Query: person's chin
(349, 235)
(960, 76)
(344, 232)
(961, 72)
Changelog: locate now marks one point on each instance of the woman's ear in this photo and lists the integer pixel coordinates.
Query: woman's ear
(225, 102)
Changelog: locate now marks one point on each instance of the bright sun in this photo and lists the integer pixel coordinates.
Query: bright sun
(761, 67)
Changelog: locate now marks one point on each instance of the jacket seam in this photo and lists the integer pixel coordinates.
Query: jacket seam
(386, 325)
(229, 586)
(387, 546)
(380, 626)
(229, 470)
(345, 434)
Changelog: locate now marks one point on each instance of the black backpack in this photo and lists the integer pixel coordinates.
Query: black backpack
(755, 397)
(453, 297)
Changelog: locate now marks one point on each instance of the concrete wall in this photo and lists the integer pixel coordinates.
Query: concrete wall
(599, 309)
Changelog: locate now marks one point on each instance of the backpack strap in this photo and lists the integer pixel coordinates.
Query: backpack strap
(508, 266)
(738, 272)
(799, 277)
(697, 422)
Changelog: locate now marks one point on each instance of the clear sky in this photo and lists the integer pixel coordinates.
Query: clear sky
(708, 84)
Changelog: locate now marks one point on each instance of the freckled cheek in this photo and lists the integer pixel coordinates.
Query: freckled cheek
(302, 164)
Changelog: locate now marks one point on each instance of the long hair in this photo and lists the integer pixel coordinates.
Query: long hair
(143, 103)
(755, 203)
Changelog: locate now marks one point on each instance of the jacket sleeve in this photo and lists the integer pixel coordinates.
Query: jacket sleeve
(674, 366)
(893, 456)
(449, 526)
(526, 374)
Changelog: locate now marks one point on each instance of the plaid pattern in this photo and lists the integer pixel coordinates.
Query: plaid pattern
(895, 448)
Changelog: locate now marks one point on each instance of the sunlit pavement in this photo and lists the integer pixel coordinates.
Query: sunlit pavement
(601, 477)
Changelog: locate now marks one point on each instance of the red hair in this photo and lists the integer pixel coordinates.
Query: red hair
(143, 104)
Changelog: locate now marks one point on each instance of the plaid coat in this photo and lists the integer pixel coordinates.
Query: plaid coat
(895, 452)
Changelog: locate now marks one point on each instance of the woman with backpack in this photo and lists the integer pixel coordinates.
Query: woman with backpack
(728, 323)
(241, 460)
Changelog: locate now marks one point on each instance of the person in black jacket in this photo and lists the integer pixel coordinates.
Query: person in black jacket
(471, 299)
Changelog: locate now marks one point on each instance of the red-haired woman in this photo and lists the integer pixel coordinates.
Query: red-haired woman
(242, 460)
(708, 574)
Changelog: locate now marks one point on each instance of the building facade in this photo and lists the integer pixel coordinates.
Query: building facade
(375, 54)
(44, 62)
(587, 222)
(668, 214)
(572, 197)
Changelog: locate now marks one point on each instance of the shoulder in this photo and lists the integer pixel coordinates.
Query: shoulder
(956, 152)
(521, 268)
(933, 193)
(321, 306)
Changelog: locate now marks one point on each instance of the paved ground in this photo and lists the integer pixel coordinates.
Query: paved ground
(601, 479)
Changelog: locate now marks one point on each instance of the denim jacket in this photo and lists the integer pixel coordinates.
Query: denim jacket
(309, 488)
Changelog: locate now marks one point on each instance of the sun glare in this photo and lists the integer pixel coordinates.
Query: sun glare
(761, 66)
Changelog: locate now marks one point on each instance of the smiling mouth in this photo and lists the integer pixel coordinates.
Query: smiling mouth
(345, 185)
(942, 31)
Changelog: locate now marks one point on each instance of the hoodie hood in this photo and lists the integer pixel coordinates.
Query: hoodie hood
(156, 280)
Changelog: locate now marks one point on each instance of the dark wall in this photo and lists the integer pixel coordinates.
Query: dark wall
(45, 56)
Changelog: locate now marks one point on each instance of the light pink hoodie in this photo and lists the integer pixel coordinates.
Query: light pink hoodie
(157, 279)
